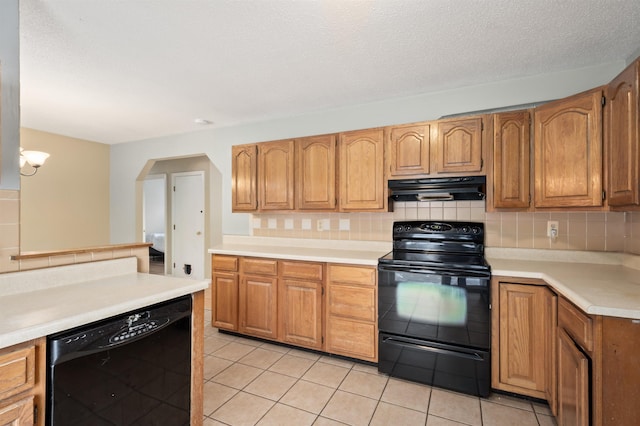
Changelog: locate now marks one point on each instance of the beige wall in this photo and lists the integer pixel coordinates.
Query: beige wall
(593, 231)
(66, 204)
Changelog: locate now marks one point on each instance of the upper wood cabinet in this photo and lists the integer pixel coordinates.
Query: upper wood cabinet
(244, 162)
(568, 151)
(511, 160)
(622, 137)
(276, 175)
(316, 173)
(361, 170)
(408, 150)
(459, 145)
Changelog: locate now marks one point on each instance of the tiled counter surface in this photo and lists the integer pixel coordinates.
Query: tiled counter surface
(597, 282)
(45, 301)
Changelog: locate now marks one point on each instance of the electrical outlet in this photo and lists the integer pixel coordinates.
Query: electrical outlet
(552, 229)
(323, 225)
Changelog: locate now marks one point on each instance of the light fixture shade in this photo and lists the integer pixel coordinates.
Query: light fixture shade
(34, 158)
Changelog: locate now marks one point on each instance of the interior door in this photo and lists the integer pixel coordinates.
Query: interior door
(188, 224)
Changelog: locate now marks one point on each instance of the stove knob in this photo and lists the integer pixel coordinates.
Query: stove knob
(407, 228)
(475, 230)
(465, 229)
(398, 229)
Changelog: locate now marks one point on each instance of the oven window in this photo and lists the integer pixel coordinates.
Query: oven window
(432, 303)
(447, 309)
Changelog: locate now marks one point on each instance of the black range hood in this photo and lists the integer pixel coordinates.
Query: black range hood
(438, 189)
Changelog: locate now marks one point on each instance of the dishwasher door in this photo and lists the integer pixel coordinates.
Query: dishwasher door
(134, 368)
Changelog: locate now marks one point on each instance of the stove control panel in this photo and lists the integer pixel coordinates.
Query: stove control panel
(407, 229)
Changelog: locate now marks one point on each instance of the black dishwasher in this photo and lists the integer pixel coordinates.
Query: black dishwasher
(131, 369)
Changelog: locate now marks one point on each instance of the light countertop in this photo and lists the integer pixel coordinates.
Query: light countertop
(45, 301)
(331, 251)
(599, 283)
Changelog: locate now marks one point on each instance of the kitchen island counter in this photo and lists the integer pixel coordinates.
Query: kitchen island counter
(41, 302)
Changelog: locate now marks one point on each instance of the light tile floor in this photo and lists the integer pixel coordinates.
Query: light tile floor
(249, 382)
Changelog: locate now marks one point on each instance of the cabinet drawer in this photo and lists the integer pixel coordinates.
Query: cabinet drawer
(576, 323)
(352, 338)
(303, 270)
(17, 371)
(224, 263)
(259, 266)
(352, 302)
(352, 274)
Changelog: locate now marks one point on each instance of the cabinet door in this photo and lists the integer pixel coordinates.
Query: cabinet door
(17, 413)
(523, 348)
(511, 160)
(408, 150)
(622, 135)
(459, 147)
(361, 170)
(224, 298)
(568, 152)
(258, 306)
(316, 173)
(275, 171)
(573, 383)
(244, 195)
(301, 312)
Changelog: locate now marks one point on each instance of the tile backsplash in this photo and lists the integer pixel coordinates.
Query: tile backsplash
(591, 231)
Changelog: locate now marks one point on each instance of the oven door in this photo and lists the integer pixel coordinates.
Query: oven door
(446, 306)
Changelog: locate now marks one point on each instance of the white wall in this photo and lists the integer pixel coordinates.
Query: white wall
(9, 94)
(127, 160)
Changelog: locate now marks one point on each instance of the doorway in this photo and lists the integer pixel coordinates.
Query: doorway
(154, 228)
(187, 230)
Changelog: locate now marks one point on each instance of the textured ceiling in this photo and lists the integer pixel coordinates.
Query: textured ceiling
(120, 70)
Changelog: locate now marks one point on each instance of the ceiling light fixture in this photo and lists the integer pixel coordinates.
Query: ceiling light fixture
(34, 159)
(202, 121)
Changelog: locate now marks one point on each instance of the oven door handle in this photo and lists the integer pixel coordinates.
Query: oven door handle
(449, 273)
(462, 353)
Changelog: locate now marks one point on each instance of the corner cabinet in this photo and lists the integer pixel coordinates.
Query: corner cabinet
(244, 175)
(459, 145)
(622, 137)
(316, 173)
(511, 161)
(408, 150)
(361, 171)
(568, 152)
(524, 319)
(276, 175)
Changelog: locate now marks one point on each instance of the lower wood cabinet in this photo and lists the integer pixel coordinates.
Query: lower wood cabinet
(620, 372)
(351, 319)
(523, 347)
(573, 383)
(286, 301)
(300, 294)
(22, 383)
(224, 292)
